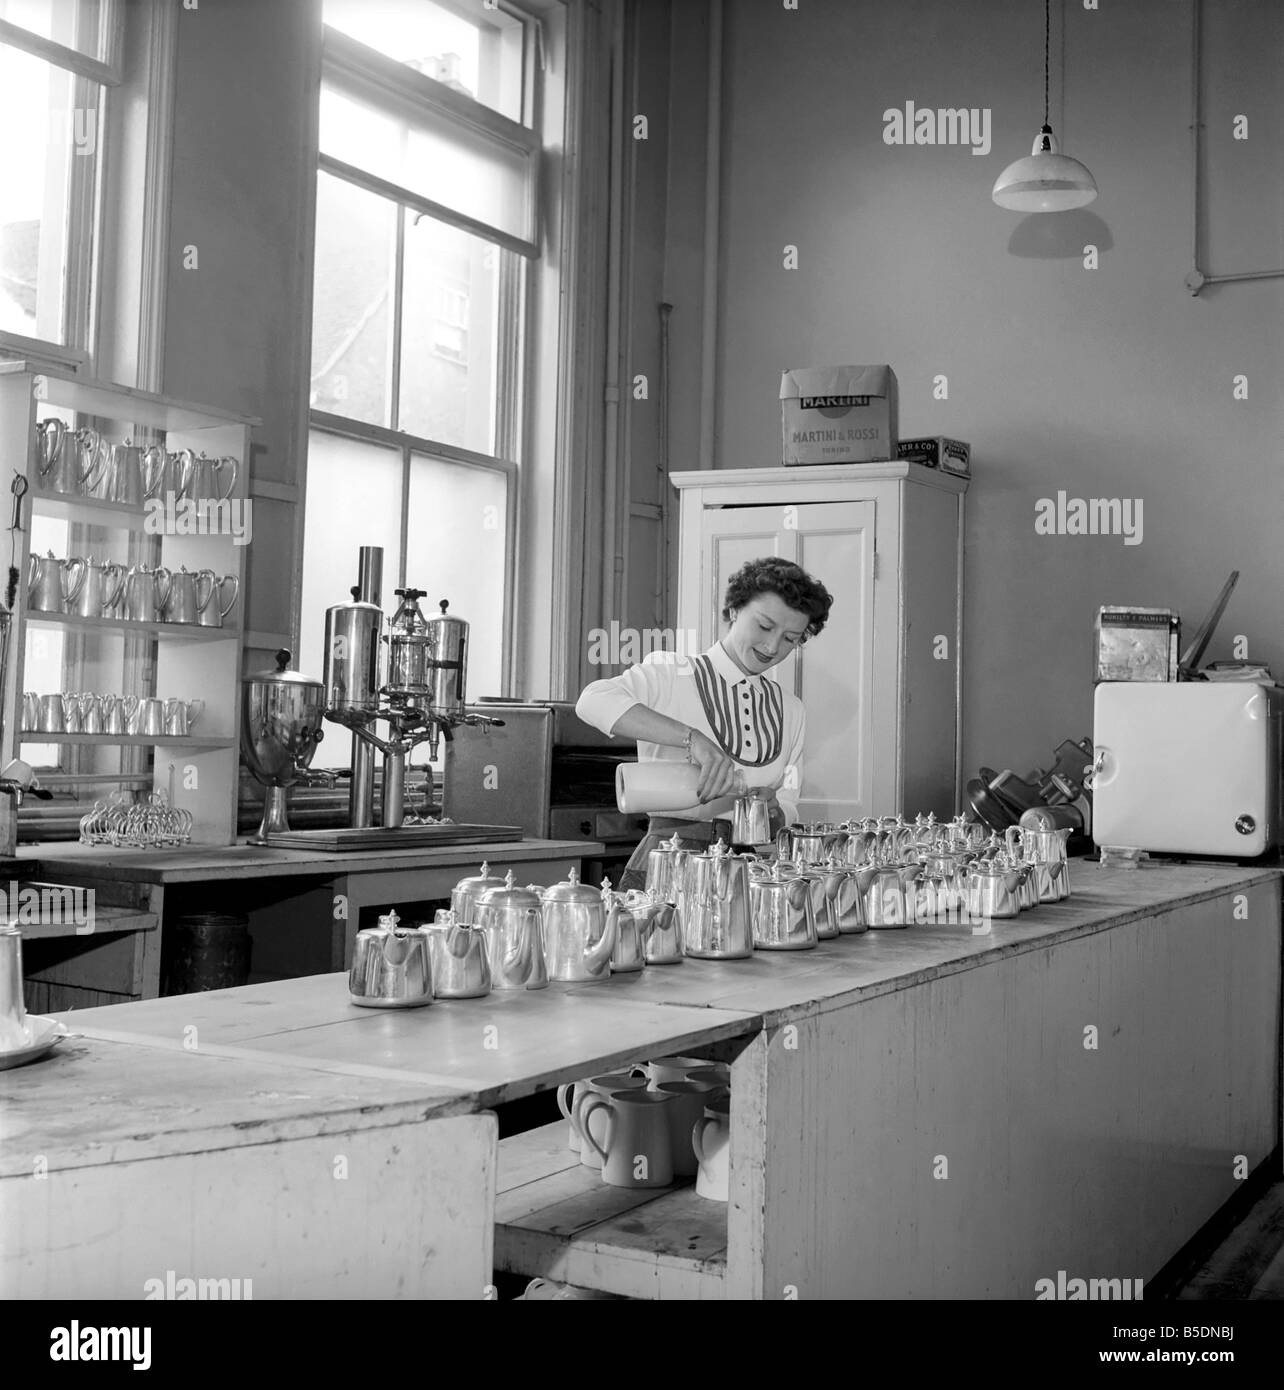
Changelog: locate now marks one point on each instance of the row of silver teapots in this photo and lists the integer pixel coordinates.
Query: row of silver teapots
(83, 463)
(878, 839)
(87, 588)
(497, 935)
(731, 904)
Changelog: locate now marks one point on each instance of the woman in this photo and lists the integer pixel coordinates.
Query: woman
(720, 710)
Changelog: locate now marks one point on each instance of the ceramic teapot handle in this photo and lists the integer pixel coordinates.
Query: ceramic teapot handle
(564, 1105)
(697, 1138)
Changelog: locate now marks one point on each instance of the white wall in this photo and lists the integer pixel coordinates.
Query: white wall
(1112, 382)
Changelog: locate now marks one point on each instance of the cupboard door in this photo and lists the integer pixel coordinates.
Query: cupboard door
(832, 674)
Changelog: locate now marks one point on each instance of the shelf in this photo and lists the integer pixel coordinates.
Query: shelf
(191, 742)
(555, 1217)
(174, 632)
(97, 511)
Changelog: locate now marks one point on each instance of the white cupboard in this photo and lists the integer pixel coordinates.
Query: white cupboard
(881, 684)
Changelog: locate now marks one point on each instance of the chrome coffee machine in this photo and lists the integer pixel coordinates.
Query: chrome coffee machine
(412, 677)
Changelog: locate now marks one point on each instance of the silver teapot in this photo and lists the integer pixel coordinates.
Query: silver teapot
(665, 866)
(884, 896)
(716, 921)
(627, 955)
(993, 888)
(784, 916)
(811, 844)
(844, 900)
(579, 931)
(751, 819)
(460, 965)
(509, 919)
(468, 893)
(658, 926)
(391, 967)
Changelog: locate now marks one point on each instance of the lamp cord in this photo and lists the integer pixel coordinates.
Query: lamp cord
(1047, 22)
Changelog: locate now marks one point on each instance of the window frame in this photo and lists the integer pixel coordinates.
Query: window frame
(355, 70)
(94, 81)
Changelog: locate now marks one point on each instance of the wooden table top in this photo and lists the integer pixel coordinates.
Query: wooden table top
(511, 1044)
(93, 1102)
(262, 861)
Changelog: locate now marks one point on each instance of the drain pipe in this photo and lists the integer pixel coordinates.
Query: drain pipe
(713, 179)
(1197, 279)
(616, 495)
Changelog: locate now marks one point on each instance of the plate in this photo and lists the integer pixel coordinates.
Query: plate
(47, 1034)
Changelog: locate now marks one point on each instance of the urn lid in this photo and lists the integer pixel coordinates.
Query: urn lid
(281, 674)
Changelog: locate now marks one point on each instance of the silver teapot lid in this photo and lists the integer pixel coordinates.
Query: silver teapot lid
(509, 895)
(571, 890)
(479, 881)
(389, 924)
(281, 675)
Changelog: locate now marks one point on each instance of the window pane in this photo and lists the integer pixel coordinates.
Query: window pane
(455, 550)
(448, 335)
(352, 302)
(460, 169)
(354, 499)
(35, 176)
(480, 55)
(76, 24)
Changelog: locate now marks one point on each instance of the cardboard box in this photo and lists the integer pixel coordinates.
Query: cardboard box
(1137, 644)
(949, 455)
(838, 414)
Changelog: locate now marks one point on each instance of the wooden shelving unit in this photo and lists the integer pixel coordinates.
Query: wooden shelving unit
(186, 660)
(556, 1217)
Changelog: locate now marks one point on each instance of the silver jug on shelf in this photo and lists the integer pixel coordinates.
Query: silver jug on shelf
(211, 608)
(30, 711)
(809, 844)
(716, 921)
(391, 967)
(50, 585)
(178, 474)
(180, 604)
(992, 889)
(143, 594)
(579, 930)
(204, 486)
(509, 919)
(460, 965)
(122, 479)
(884, 901)
(99, 590)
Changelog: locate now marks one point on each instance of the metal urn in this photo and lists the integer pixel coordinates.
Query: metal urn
(281, 714)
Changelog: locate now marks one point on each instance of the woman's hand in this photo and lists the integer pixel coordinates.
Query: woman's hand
(717, 769)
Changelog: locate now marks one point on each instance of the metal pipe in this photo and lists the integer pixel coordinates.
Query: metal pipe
(1197, 279)
(361, 793)
(394, 787)
(712, 180)
(615, 494)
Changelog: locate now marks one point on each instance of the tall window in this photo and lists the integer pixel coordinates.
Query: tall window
(427, 193)
(58, 59)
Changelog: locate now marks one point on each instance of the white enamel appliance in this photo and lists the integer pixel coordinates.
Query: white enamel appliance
(1188, 767)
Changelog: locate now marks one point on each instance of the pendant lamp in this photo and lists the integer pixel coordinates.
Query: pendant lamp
(1046, 180)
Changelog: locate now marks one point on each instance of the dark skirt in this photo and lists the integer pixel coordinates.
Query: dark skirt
(692, 834)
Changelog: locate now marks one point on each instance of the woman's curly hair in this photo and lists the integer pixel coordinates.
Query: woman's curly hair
(770, 575)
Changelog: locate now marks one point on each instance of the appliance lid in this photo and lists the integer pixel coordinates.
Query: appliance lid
(281, 675)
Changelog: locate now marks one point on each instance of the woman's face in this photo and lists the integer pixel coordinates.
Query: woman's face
(764, 632)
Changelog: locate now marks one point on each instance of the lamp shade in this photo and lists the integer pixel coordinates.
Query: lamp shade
(1045, 180)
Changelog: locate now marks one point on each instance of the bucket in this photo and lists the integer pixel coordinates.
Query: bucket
(207, 950)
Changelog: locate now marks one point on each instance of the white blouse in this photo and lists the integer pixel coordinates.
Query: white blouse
(750, 717)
